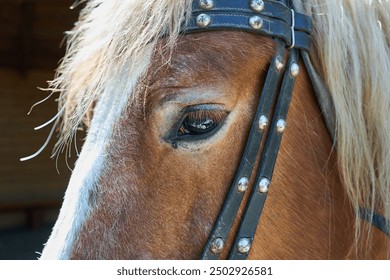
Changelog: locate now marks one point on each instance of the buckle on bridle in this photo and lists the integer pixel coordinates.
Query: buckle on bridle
(292, 29)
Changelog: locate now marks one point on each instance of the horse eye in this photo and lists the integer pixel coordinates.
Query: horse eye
(193, 126)
(200, 122)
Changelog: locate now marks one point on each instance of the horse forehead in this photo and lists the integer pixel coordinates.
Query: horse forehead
(202, 58)
(216, 49)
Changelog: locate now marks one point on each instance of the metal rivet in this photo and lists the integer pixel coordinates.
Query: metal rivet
(206, 4)
(263, 122)
(244, 245)
(279, 63)
(281, 126)
(257, 5)
(264, 185)
(294, 70)
(256, 22)
(217, 245)
(203, 20)
(243, 184)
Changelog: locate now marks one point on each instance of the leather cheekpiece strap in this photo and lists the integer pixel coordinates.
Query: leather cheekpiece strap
(257, 199)
(233, 200)
(323, 96)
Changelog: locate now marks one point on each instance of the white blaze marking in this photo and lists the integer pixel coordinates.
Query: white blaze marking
(75, 209)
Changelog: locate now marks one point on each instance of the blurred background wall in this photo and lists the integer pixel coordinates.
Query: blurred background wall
(31, 32)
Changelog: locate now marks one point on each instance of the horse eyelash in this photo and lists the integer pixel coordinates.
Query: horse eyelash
(216, 115)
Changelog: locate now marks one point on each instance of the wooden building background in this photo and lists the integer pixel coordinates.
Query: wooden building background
(31, 32)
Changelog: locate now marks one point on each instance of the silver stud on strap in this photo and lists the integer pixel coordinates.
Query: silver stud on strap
(257, 5)
(256, 22)
(281, 126)
(264, 185)
(203, 20)
(244, 245)
(294, 70)
(206, 4)
(243, 184)
(263, 122)
(217, 245)
(279, 63)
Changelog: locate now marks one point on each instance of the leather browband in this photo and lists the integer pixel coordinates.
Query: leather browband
(278, 21)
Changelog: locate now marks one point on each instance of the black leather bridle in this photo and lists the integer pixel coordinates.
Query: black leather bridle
(291, 32)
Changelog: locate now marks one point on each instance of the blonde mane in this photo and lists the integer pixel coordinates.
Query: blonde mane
(351, 41)
(353, 48)
(108, 40)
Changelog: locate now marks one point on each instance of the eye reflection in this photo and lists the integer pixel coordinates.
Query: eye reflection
(200, 122)
(194, 124)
